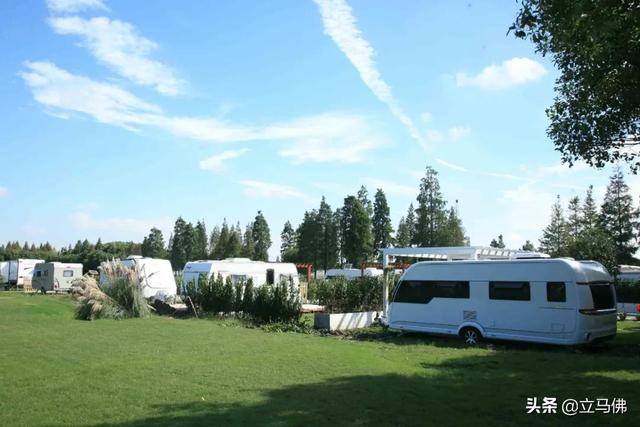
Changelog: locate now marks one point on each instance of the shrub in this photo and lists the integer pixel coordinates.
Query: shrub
(248, 297)
(340, 295)
(237, 296)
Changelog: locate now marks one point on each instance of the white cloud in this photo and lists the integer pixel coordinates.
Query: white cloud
(525, 209)
(426, 116)
(512, 72)
(115, 225)
(327, 137)
(118, 45)
(506, 176)
(271, 191)
(391, 187)
(452, 165)
(340, 24)
(64, 92)
(3, 191)
(215, 163)
(456, 133)
(62, 6)
(559, 169)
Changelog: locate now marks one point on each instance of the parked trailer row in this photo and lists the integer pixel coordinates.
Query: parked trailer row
(15, 272)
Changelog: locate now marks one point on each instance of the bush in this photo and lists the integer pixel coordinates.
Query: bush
(340, 295)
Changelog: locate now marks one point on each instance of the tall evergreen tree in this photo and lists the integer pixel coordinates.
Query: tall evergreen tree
(357, 240)
(261, 237)
(403, 238)
(153, 245)
(590, 217)
(201, 241)
(363, 196)
(189, 241)
(382, 228)
(288, 245)
(619, 218)
(453, 233)
(178, 254)
(328, 236)
(574, 218)
(431, 216)
(220, 251)
(248, 245)
(528, 246)
(213, 241)
(554, 236)
(308, 244)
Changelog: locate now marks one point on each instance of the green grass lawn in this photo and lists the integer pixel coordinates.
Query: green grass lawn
(160, 371)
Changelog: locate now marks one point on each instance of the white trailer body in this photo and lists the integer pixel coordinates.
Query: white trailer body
(55, 276)
(240, 269)
(4, 271)
(156, 276)
(352, 273)
(555, 301)
(22, 269)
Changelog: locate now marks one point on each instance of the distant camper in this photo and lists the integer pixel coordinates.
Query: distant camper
(352, 273)
(21, 270)
(4, 271)
(555, 301)
(241, 269)
(55, 276)
(156, 276)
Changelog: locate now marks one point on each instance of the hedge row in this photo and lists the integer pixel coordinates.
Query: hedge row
(265, 304)
(340, 295)
(628, 292)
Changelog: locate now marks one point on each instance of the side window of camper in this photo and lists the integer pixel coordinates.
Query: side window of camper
(67, 273)
(238, 278)
(270, 276)
(38, 273)
(423, 291)
(556, 292)
(514, 291)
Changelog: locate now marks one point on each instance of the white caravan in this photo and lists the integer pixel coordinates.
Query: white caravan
(156, 276)
(4, 271)
(55, 276)
(20, 270)
(555, 301)
(241, 269)
(352, 273)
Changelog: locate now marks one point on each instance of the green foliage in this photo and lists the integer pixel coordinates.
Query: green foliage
(248, 296)
(431, 216)
(619, 218)
(289, 245)
(554, 238)
(594, 44)
(381, 221)
(248, 245)
(355, 231)
(200, 242)
(152, 245)
(261, 237)
(406, 228)
(499, 243)
(528, 246)
(340, 295)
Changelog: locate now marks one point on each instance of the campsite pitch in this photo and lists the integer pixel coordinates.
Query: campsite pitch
(159, 371)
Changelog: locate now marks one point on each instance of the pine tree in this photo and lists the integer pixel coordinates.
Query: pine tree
(528, 246)
(248, 245)
(619, 218)
(178, 254)
(233, 247)
(261, 237)
(554, 236)
(288, 245)
(453, 232)
(189, 241)
(153, 245)
(403, 237)
(328, 236)
(363, 196)
(498, 243)
(308, 233)
(431, 216)
(220, 249)
(574, 218)
(590, 218)
(201, 241)
(213, 241)
(381, 221)
(357, 240)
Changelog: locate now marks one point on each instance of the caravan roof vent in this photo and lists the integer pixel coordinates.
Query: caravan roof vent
(238, 260)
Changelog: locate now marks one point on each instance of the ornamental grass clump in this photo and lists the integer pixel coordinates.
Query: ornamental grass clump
(120, 296)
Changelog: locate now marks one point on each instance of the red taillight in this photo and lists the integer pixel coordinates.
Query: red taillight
(637, 308)
(588, 311)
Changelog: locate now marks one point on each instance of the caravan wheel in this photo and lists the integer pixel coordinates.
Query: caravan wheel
(471, 336)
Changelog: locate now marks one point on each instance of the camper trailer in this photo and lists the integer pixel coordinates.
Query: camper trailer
(4, 272)
(21, 270)
(55, 276)
(156, 276)
(352, 273)
(555, 301)
(241, 269)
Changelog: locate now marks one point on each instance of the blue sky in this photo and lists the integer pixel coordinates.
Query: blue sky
(119, 115)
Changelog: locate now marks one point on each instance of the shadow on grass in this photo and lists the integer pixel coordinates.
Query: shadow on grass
(489, 389)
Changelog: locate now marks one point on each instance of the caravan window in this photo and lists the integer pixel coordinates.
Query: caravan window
(238, 278)
(556, 292)
(38, 273)
(67, 273)
(270, 276)
(423, 291)
(514, 291)
(602, 296)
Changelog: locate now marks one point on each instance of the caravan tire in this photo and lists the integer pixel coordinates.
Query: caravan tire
(470, 336)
